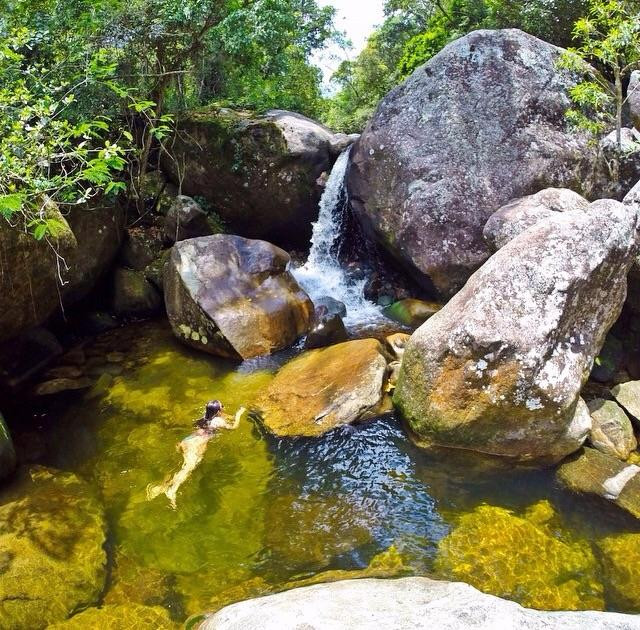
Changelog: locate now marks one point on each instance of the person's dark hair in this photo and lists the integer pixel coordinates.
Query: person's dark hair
(213, 408)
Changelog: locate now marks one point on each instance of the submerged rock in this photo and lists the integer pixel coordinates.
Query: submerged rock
(478, 125)
(58, 385)
(51, 546)
(130, 616)
(185, 219)
(611, 431)
(520, 214)
(500, 368)
(620, 559)
(506, 555)
(259, 172)
(411, 312)
(413, 602)
(323, 389)
(234, 297)
(593, 472)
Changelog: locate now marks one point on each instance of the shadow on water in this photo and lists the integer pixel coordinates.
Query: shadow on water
(259, 511)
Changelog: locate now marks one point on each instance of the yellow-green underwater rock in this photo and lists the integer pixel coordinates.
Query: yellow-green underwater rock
(131, 617)
(511, 557)
(620, 558)
(52, 560)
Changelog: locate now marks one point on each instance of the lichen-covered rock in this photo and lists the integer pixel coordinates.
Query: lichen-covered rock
(7, 450)
(628, 395)
(185, 219)
(500, 368)
(326, 388)
(133, 294)
(30, 287)
(259, 172)
(520, 214)
(130, 616)
(478, 125)
(611, 430)
(620, 559)
(627, 160)
(510, 556)
(51, 549)
(605, 476)
(411, 312)
(234, 297)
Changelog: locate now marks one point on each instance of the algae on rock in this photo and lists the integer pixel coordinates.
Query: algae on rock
(52, 559)
(131, 617)
(620, 559)
(520, 559)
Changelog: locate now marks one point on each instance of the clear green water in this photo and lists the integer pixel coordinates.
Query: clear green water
(260, 513)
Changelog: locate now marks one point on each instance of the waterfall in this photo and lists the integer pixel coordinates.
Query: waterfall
(323, 274)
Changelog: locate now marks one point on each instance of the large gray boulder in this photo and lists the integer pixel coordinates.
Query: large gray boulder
(478, 125)
(412, 603)
(520, 214)
(258, 172)
(39, 277)
(234, 297)
(500, 368)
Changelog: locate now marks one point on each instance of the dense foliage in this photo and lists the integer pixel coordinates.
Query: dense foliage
(89, 88)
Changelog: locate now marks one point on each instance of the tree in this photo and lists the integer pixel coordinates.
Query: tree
(609, 38)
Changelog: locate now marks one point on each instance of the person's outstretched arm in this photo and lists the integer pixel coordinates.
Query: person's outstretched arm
(236, 420)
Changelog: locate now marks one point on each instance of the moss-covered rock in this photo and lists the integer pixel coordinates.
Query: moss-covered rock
(131, 617)
(620, 558)
(520, 558)
(133, 294)
(259, 172)
(410, 312)
(326, 388)
(52, 560)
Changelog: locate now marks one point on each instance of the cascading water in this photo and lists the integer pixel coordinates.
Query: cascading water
(323, 274)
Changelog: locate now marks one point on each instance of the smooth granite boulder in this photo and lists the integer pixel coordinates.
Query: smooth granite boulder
(611, 430)
(234, 297)
(404, 604)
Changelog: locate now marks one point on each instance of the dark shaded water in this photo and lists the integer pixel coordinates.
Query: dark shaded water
(260, 512)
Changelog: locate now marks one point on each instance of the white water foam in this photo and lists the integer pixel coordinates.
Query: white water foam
(323, 274)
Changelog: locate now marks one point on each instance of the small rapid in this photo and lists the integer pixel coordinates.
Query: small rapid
(323, 274)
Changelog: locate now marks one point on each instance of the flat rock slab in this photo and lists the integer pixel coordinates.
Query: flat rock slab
(404, 604)
(593, 472)
(326, 388)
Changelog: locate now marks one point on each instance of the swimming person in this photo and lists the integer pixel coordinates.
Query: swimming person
(193, 448)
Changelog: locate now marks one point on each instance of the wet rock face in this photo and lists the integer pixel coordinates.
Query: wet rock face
(633, 92)
(233, 297)
(520, 214)
(480, 124)
(51, 527)
(258, 172)
(323, 389)
(605, 476)
(327, 328)
(500, 368)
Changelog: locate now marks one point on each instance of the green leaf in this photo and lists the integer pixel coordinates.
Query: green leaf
(10, 204)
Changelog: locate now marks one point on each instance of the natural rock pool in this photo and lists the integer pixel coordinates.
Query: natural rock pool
(260, 513)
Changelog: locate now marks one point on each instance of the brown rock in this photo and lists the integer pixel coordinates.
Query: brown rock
(326, 388)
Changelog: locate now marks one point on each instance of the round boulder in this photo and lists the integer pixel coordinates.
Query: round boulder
(234, 297)
(479, 124)
(500, 368)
